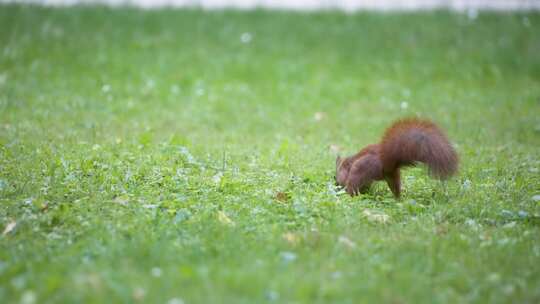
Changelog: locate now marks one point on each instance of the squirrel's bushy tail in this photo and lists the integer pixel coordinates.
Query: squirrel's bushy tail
(410, 141)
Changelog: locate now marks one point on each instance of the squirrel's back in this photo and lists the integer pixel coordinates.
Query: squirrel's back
(413, 140)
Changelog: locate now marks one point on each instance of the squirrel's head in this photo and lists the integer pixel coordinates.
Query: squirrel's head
(343, 166)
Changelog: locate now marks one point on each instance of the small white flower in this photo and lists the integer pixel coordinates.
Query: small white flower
(510, 225)
(526, 22)
(246, 37)
(336, 275)
(503, 241)
(106, 88)
(150, 84)
(494, 277)
(189, 158)
(318, 116)
(523, 214)
(472, 14)
(467, 184)
(139, 293)
(175, 89)
(288, 256)
(272, 295)
(175, 301)
(217, 178)
(28, 297)
(404, 105)
(508, 289)
(470, 222)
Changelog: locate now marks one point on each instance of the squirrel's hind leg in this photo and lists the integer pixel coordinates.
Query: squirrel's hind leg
(394, 182)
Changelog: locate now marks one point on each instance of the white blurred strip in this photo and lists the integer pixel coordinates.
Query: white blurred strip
(345, 5)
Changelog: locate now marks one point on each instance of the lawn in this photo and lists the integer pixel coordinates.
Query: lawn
(184, 156)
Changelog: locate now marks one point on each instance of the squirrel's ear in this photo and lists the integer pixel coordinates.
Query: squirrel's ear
(338, 160)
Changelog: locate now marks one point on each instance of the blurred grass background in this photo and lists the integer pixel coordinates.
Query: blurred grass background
(183, 156)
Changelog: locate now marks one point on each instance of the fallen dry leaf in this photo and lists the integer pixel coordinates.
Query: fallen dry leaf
(347, 242)
(291, 238)
(9, 227)
(282, 197)
(376, 217)
(224, 219)
(122, 200)
(139, 293)
(334, 148)
(441, 229)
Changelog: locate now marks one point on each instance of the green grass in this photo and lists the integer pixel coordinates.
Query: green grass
(147, 156)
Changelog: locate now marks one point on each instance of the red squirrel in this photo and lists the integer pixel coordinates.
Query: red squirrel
(405, 143)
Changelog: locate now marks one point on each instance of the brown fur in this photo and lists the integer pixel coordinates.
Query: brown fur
(405, 143)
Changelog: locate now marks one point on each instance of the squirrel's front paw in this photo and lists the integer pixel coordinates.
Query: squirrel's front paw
(353, 191)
